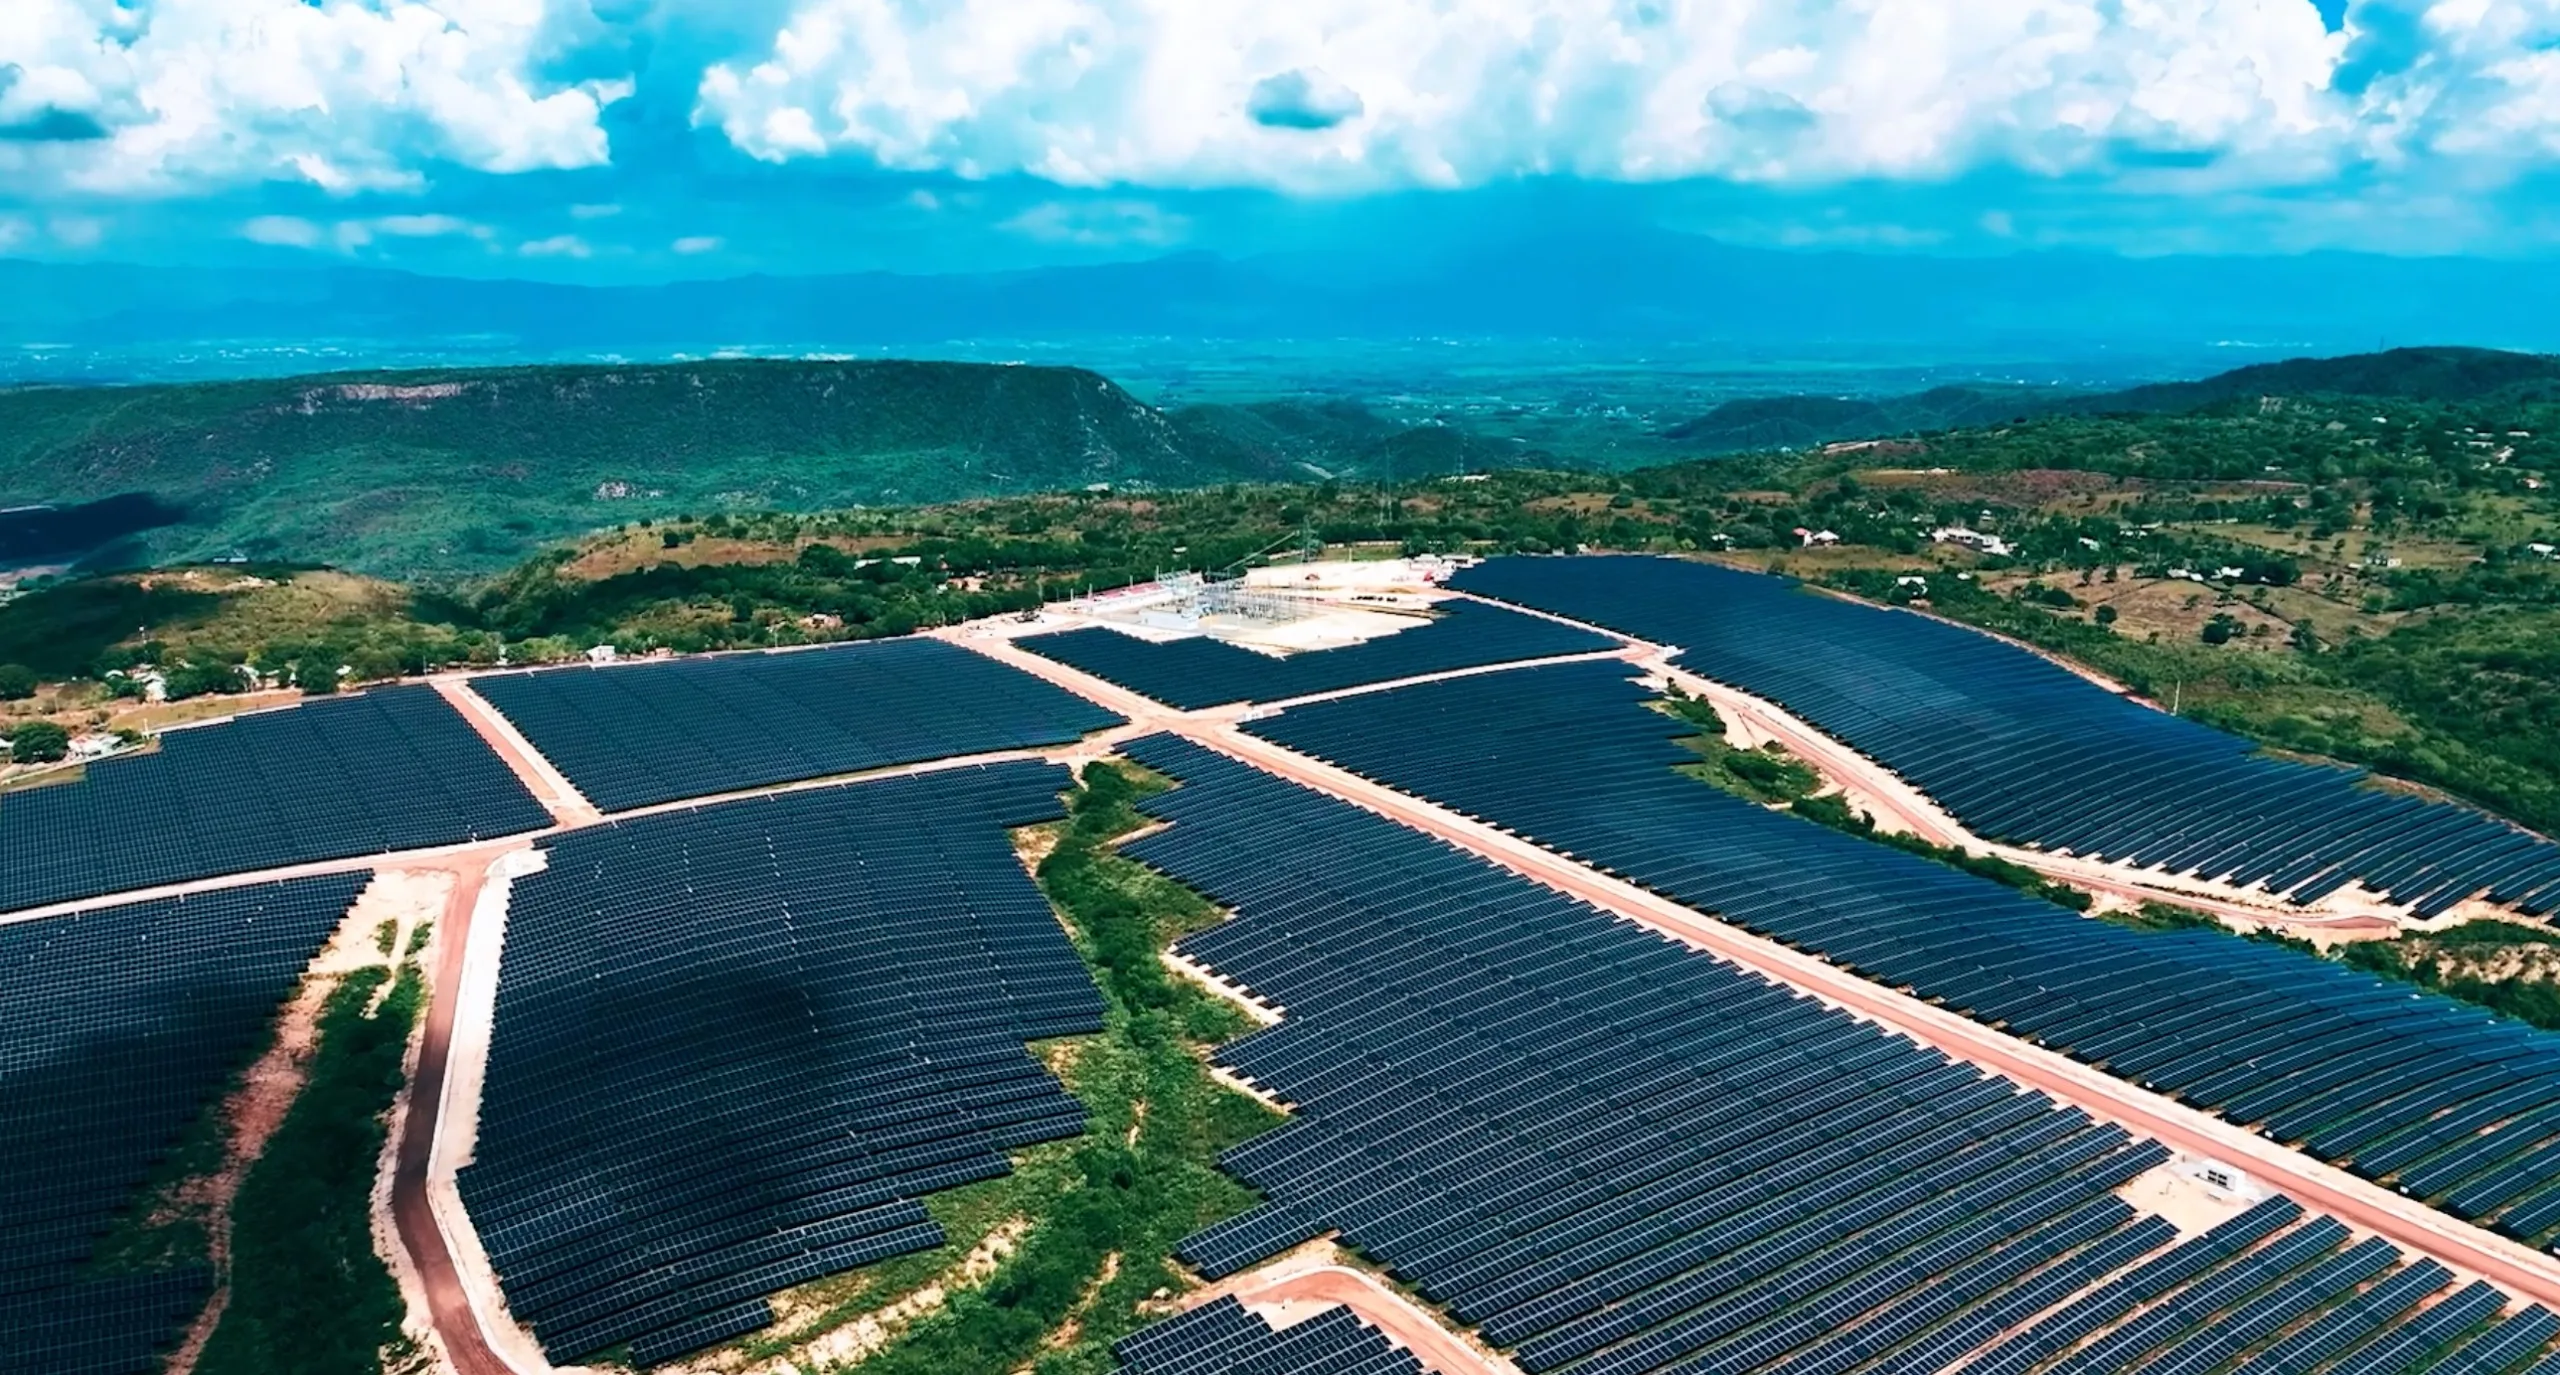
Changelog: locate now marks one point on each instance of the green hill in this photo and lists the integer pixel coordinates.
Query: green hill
(450, 473)
(2411, 374)
(2440, 375)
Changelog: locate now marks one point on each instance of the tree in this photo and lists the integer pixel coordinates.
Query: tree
(2220, 629)
(17, 682)
(2106, 615)
(39, 742)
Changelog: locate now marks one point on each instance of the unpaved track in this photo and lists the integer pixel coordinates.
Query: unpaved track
(1898, 805)
(1383, 1308)
(2410, 1224)
(467, 1351)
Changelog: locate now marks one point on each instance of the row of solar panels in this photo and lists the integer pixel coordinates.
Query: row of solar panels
(392, 769)
(1198, 672)
(2445, 1100)
(398, 768)
(1615, 1154)
(633, 735)
(735, 1043)
(1222, 1337)
(2025, 752)
(119, 1027)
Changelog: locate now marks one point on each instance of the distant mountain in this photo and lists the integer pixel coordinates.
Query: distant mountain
(456, 472)
(1795, 422)
(2411, 374)
(2440, 374)
(1641, 285)
(1340, 438)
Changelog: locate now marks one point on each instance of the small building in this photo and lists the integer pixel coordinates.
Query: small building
(602, 654)
(1973, 539)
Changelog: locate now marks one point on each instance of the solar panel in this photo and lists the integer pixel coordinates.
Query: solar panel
(1197, 671)
(2027, 752)
(1611, 1153)
(1571, 757)
(1222, 1337)
(389, 769)
(734, 1043)
(119, 1027)
(632, 735)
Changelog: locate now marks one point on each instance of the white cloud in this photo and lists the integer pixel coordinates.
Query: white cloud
(1099, 224)
(557, 246)
(594, 212)
(1354, 95)
(425, 226)
(187, 94)
(693, 244)
(283, 231)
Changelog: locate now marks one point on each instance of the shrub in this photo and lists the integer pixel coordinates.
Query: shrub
(39, 742)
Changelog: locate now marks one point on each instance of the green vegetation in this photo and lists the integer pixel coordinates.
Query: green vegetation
(1768, 774)
(308, 1294)
(1834, 811)
(458, 472)
(2164, 916)
(2489, 964)
(38, 742)
(1772, 776)
(1106, 1209)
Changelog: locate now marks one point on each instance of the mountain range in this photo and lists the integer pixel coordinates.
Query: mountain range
(1657, 285)
(451, 473)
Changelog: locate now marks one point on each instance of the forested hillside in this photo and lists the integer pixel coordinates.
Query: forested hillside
(436, 474)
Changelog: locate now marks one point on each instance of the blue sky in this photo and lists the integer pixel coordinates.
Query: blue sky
(619, 140)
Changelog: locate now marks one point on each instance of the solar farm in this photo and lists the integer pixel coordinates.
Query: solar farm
(632, 735)
(391, 769)
(120, 1025)
(1198, 671)
(2395, 1087)
(2026, 751)
(1558, 1058)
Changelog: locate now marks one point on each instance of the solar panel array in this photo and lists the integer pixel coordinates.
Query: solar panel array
(734, 1044)
(638, 734)
(2446, 1101)
(1201, 672)
(1223, 1337)
(2026, 752)
(118, 1028)
(1611, 1153)
(391, 769)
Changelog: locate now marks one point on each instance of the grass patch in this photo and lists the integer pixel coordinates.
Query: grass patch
(1142, 1177)
(1768, 775)
(2453, 963)
(308, 1294)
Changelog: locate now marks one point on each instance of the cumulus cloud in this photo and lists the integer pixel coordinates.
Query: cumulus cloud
(1356, 95)
(557, 246)
(1302, 98)
(102, 96)
(693, 244)
(1454, 92)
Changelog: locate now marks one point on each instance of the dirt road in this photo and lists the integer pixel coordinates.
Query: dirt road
(448, 1303)
(1381, 1307)
(2407, 1223)
(1897, 805)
